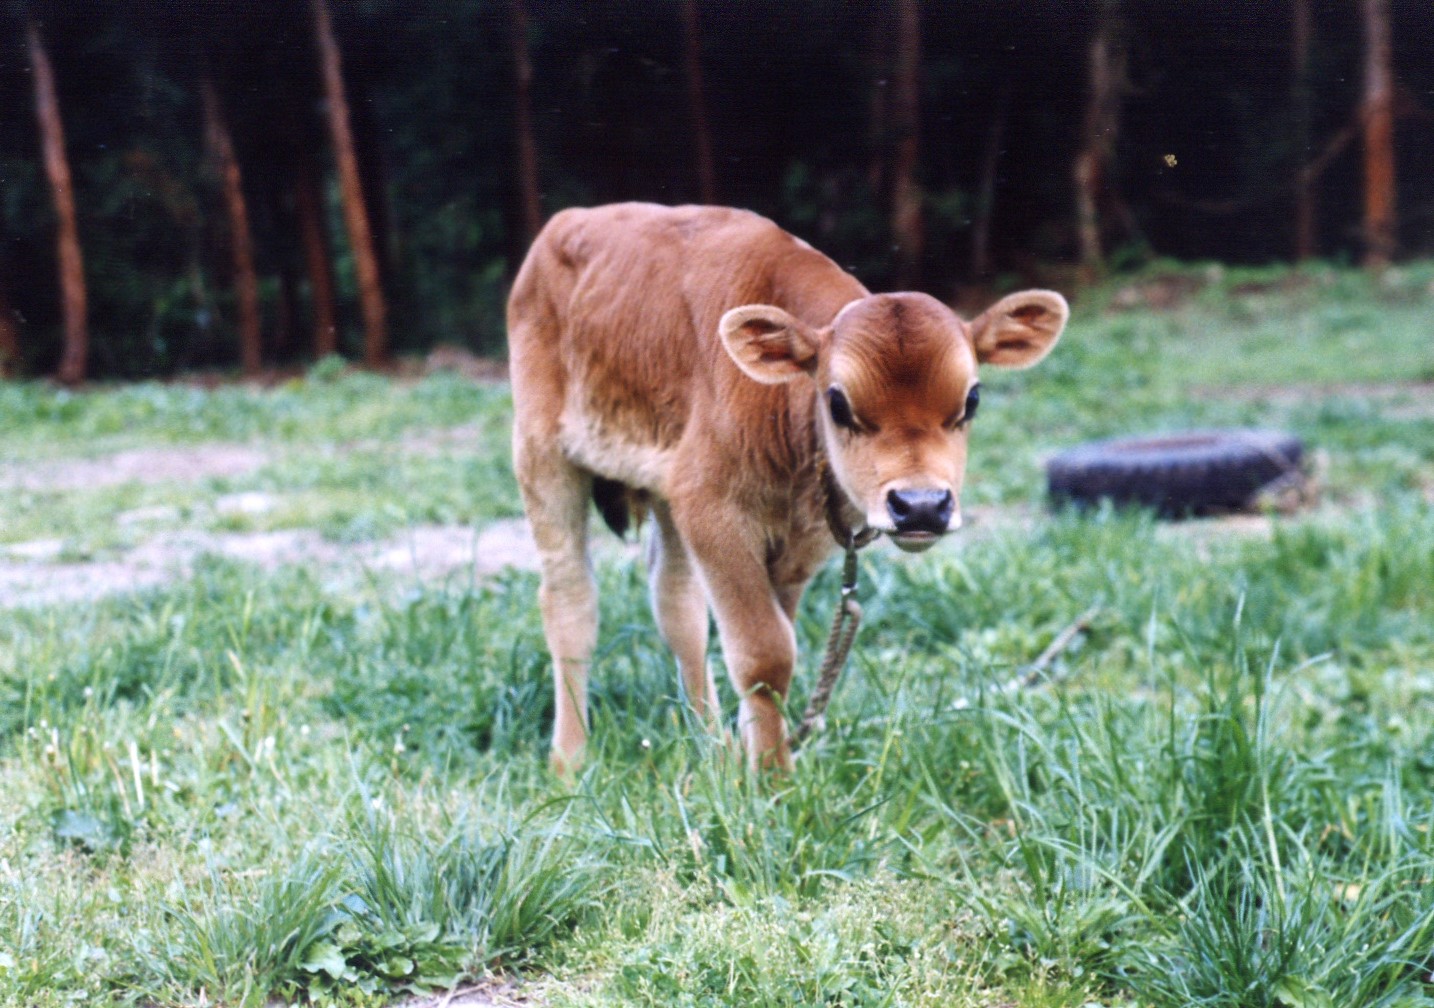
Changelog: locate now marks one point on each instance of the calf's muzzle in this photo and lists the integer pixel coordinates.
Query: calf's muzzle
(920, 513)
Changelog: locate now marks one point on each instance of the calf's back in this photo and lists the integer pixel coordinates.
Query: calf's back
(613, 329)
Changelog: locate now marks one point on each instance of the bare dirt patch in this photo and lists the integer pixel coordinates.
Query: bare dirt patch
(1161, 293)
(36, 573)
(492, 993)
(191, 463)
(1412, 400)
(139, 465)
(483, 370)
(429, 441)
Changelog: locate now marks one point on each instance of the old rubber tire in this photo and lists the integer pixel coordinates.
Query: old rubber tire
(1190, 472)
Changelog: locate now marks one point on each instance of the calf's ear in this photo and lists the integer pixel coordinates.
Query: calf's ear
(1019, 329)
(768, 344)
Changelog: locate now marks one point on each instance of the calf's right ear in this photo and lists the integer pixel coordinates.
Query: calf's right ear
(768, 344)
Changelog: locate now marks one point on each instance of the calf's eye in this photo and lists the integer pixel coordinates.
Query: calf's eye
(840, 409)
(968, 412)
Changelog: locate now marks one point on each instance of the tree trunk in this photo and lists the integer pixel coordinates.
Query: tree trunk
(906, 228)
(878, 102)
(241, 241)
(1098, 136)
(308, 207)
(371, 301)
(75, 349)
(528, 190)
(1378, 120)
(373, 162)
(697, 104)
(286, 312)
(1302, 99)
(9, 337)
(986, 188)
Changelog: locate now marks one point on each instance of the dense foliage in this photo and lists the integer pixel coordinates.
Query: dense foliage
(799, 115)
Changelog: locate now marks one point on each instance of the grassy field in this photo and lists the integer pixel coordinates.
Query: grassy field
(252, 781)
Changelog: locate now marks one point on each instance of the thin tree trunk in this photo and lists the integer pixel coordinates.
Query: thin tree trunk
(1378, 117)
(308, 208)
(373, 162)
(75, 349)
(9, 337)
(371, 300)
(286, 307)
(907, 234)
(986, 188)
(1302, 96)
(528, 190)
(697, 104)
(241, 241)
(1101, 125)
(878, 100)
(286, 312)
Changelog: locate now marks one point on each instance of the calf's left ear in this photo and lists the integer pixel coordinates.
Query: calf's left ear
(769, 344)
(1019, 329)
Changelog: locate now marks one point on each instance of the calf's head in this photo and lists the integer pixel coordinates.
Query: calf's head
(895, 376)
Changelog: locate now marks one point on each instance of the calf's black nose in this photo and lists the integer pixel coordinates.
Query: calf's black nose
(920, 510)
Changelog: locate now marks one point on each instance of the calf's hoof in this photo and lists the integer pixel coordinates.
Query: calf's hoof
(565, 765)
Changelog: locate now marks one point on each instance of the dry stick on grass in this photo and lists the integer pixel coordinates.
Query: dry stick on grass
(1035, 673)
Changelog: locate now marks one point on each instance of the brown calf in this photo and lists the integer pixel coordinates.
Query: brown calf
(704, 364)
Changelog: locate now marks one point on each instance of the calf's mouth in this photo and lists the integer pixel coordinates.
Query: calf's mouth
(915, 542)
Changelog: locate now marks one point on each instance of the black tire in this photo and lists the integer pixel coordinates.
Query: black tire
(1185, 473)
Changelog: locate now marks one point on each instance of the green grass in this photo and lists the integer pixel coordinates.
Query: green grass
(356, 456)
(324, 406)
(247, 785)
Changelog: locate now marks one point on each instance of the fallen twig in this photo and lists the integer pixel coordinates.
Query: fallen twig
(1035, 673)
(1036, 670)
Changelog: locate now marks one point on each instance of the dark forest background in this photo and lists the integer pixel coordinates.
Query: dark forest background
(941, 146)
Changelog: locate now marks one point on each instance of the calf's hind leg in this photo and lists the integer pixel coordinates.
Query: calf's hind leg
(680, 607)
(555, 497)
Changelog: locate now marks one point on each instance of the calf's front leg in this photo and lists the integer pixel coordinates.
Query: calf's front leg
(758, 641)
